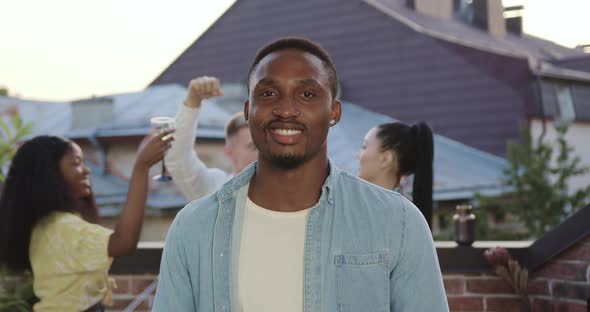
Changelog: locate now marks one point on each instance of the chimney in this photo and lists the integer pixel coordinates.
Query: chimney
(513, 17)
(438, 8)
(584, 47)
(91, 113)
(489, 15)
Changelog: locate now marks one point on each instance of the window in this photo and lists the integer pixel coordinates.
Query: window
(565, 103)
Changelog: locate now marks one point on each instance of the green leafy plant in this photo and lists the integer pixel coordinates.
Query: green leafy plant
(16, 290)
(538, 178)
(9, 136)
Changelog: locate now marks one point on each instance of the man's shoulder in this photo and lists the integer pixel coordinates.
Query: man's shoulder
(353, 184)
(362, 197)
(199, 211)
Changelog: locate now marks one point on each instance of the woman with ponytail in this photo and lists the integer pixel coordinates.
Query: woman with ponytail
(391, 152)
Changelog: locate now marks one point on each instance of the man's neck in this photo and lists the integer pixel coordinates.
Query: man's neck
(288, 190)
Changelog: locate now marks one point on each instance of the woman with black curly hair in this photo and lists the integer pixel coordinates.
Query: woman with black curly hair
(48, 221)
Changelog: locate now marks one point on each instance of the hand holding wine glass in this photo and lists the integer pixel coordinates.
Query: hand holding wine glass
(162, 123)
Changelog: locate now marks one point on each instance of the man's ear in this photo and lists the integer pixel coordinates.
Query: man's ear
(246, 108)
(336, 111)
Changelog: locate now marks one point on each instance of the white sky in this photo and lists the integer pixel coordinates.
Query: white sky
(69, 49)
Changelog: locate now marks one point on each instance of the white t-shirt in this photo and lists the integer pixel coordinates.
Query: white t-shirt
(271, 260)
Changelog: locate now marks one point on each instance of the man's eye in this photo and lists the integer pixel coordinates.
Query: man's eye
(307, 94)
(266, 93)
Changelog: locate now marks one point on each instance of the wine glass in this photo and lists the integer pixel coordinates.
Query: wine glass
(162, 123)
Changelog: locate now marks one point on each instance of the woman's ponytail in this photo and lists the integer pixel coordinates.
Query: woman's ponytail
(423, 176)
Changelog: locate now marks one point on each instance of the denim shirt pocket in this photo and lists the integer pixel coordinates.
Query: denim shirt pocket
(362, 282)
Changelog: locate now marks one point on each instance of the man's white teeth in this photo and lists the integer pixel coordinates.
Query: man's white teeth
(287, 131)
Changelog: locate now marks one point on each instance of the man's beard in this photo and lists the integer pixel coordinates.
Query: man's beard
(287, 162)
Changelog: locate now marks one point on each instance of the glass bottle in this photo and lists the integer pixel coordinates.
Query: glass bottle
(464, 221)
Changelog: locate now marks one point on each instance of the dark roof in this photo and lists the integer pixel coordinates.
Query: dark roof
(581, 63)
(469, 85)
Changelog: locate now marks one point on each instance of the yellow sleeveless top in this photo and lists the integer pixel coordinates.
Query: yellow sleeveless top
(70, 263)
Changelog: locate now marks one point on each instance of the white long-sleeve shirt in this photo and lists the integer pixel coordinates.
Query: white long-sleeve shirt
(192, 176)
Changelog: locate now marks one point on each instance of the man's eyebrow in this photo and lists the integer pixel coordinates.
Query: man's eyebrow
(308, 82)
(266, 82)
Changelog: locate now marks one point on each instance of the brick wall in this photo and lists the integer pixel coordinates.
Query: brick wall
(128, 288)
(561, 285)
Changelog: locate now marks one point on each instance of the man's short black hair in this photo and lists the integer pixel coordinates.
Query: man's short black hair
(301, 44)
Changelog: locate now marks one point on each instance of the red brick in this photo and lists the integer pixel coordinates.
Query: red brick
(465, 303)
(454, 285)
(505, 304)
(123, 286)
(579, 252)
(542, 305)
(121, 304)
(570, 307)
(571, 291)
(489, 286)
(139, 285)
(569, 271)
(538, 288)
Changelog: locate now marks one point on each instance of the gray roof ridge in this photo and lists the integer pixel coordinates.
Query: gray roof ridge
(444, 36)
(552, 70)
(536, 64)
(573, 58)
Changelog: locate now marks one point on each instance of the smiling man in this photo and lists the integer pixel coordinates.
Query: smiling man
(292, 232)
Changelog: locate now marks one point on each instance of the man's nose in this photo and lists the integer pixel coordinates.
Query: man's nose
(286, 108)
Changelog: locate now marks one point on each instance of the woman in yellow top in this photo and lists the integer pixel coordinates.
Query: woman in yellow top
(48, 222)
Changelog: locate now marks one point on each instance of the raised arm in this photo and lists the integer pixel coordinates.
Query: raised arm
(189, 173)
(124, 238)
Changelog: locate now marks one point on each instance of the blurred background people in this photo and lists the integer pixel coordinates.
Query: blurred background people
(191, 175)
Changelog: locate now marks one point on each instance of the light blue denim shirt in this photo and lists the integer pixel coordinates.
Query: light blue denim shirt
(366, 249)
